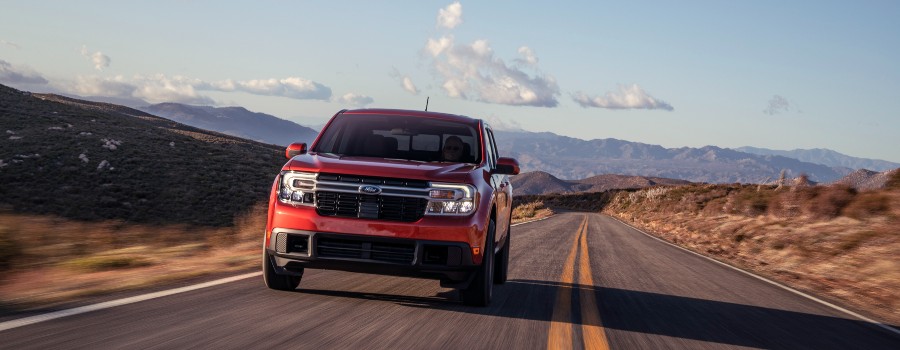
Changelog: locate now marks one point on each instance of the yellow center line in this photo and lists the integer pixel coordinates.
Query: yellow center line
(591, 330)
(560, 336)
(561, 332)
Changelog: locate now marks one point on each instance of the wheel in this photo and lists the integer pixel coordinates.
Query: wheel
(501, 267)
(478, 293)
(273, 279)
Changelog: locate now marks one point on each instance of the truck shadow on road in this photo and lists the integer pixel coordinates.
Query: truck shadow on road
(660, 314)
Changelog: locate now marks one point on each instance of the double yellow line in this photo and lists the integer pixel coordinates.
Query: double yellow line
(561, 327)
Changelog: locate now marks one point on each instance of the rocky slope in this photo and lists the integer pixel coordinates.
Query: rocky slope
(92, 161)
(539, 182)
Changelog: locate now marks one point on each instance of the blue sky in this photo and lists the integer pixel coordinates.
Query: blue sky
(803, 74)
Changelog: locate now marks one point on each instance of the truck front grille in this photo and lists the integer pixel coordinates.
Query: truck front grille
(400, 253)
(380, 207)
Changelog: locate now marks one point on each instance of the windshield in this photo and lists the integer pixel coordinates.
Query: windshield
(401, 137)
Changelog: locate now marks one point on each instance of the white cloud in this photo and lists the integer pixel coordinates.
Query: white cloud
(627, 97)
(472, 72)
(161, 88)
(409, 86)
(528, 56)
(505, 125)
(450, 16)
(291, 87)
(97, 86)
(153, 89)
(405, 81)
(10, 74)
(99, 60)
(777, 105)
(438, 46)
(355, 100)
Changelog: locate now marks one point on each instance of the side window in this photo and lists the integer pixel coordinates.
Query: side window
(493, 145)
(491, 158)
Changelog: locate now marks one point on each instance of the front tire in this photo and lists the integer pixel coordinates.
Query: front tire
(481, 289)
(501, 267)
(273, 279)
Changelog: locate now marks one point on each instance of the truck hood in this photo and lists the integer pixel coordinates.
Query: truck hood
(380, 167)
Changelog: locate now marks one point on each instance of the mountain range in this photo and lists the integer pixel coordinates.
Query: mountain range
(825, 157)
(570, 158)
(236, 121)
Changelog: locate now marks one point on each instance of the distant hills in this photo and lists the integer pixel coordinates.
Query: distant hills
(571, 158)
(825, 157)
(539, 182)
(561, 156)
(236, 121)
(97, 161)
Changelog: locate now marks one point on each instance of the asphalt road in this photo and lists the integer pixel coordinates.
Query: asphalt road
(576, 281)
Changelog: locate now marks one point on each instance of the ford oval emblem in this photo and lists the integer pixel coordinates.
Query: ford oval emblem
(369, 189)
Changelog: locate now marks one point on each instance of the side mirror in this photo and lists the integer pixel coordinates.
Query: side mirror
(295, 149)
(507, 166)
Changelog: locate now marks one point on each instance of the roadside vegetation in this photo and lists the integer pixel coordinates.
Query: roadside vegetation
(96, 198)
(522, 212)
(45, 260)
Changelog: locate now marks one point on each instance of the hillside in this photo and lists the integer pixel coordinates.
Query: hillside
(236, 121)
(540, 183)
(825, 157)
(867, 180)
(93, 161)
(606, 182)
(571, 158)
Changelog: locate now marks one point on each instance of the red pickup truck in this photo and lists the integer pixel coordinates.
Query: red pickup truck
(394, 192)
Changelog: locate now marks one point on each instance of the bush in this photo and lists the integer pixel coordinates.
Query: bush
(527, 210)
(830, 201)
(866, 205)
(894, 181)
(751, 202)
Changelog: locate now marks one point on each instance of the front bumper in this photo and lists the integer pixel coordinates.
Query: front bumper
(292, 250)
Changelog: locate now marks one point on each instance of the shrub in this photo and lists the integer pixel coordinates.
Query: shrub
(866, 205)
(527, 210)
(753, 203)
(830, 201)
(894, 181)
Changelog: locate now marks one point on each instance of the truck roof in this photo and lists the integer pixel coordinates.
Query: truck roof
(414, 113)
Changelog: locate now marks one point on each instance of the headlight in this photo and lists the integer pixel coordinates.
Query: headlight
(297, 188)
(450, 199)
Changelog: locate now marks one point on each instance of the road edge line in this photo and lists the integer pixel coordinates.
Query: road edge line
(25, 321)
(772, 282)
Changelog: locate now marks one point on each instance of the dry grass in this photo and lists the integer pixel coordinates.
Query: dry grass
(828, 240)
(530, 211)
(58, 260)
